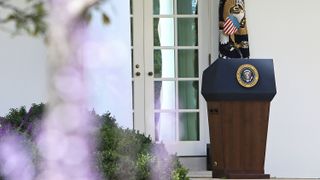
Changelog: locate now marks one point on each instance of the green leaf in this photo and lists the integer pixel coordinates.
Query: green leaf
(39, 9)
(10, 17)
(105, 19)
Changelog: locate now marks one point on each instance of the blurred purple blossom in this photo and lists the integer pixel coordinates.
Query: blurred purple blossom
(15, 159)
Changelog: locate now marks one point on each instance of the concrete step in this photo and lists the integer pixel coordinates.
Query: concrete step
(200, 174)
(206, 175)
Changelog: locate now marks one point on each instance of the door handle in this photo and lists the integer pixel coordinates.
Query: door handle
(150, 73)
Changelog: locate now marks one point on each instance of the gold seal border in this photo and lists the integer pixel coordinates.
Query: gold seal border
(255, 79)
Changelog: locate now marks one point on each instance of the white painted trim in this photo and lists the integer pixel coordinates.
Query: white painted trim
(148, 61)
(204, 33)
(138, 56)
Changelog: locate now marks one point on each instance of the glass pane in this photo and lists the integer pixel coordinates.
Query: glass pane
(188, 95)
(162, 7)
(164, 63)
(187, 31)
(164, 95)
(188, 63)
(165, 126)
(189, 126)
(131, 30)
(163, 31)
(187, 6)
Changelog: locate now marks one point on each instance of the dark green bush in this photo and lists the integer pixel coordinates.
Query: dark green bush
(128, 154)
(121, 153)
(23, 121)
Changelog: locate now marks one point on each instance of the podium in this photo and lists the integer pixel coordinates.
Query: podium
(238, 116)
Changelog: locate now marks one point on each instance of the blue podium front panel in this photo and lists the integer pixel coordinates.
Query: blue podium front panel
(220, 81)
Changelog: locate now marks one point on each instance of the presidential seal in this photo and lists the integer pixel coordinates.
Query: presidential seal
(247, 75)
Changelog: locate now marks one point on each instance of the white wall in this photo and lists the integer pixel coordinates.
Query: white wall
(109, 66)
(286, 31)
(22, 71)
(22, 68)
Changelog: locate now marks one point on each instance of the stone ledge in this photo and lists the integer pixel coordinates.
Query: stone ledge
(206, 175)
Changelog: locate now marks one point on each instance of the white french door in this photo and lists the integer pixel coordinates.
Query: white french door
(170, 47)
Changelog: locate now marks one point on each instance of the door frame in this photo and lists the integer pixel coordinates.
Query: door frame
(144, 122)
(138, 59)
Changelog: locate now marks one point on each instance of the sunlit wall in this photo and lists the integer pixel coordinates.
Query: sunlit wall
(23, 73)
(109, 72)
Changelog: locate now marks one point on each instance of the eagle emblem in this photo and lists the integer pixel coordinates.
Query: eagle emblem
(247, 75)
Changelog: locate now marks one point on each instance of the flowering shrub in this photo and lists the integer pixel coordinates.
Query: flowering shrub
(120, 153)
(128, 154)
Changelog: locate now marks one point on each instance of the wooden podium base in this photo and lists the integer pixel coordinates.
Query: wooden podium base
(238, 132)
(239, 175)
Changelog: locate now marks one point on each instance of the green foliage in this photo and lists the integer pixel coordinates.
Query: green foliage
(120, 154)
(165, 166)
(179, 171)
(105, 18)
(16, 116)
(31, 18)
(143, 166)
(128, 154)
(24, 121)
